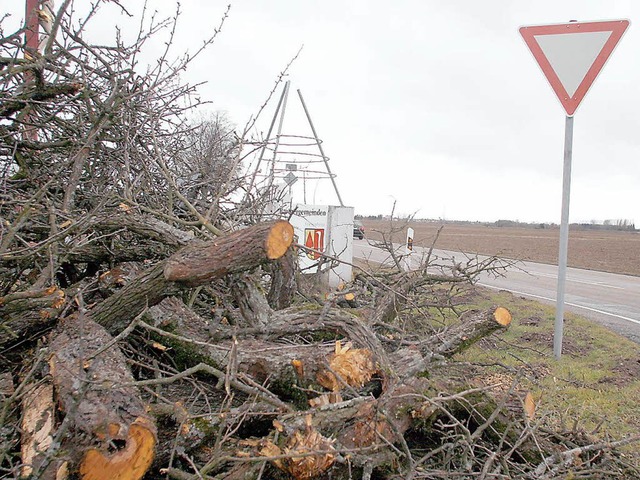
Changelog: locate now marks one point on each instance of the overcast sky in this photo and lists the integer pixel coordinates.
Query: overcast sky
(436, 105)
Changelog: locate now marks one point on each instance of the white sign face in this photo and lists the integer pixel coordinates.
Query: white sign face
(310, 226)
(409, 245)
(572, 55)
(340, 244)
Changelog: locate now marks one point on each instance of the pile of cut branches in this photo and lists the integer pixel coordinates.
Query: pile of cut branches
(155, 326)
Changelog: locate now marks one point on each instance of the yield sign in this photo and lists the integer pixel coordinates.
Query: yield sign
(572, 55)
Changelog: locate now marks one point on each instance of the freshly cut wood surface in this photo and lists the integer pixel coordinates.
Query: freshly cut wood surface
(38, 413)
(278, 239)
(131, 463)
(502, 316)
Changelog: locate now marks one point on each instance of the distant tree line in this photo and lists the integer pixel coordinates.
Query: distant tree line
(620, 224)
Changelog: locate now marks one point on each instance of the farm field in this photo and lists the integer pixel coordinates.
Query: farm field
(602, 250)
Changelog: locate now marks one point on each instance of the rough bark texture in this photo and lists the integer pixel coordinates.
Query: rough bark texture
(148, 288)
(22, 315)
(256, 354)
(194, 265)
(237, 252)
(251, 301)
(471, 327)
(283, 281)
(94, 390)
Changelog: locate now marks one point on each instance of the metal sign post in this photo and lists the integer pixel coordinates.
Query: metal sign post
(564, 237)
(571, 56)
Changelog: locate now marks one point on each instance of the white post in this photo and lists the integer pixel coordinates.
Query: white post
(408, 249)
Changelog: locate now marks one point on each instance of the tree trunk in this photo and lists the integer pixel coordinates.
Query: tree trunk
(110, 434)
(283, 280)
(471, 327)
(237, 252)
(194, 265)
(251, 301)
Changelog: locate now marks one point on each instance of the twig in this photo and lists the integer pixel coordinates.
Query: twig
(203, 367)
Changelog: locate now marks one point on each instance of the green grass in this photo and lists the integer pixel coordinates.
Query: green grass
(596, 383)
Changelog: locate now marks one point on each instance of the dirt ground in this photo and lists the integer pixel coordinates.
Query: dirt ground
(607, 251)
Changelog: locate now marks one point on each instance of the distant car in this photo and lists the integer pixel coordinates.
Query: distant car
(358, 230)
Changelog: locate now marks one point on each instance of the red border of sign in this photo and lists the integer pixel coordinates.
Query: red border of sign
(570, 104)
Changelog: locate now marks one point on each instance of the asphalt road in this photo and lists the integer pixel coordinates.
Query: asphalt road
(609, 299)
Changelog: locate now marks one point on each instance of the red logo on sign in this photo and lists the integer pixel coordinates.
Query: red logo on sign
(314, 238)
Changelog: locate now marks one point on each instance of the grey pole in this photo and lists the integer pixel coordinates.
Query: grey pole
(324, 157)
(264, 147)
(564, 237)
(279, 134)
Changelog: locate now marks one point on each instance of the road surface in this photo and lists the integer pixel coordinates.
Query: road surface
(609, 299)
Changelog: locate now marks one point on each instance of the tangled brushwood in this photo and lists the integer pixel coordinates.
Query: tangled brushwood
(154, 323)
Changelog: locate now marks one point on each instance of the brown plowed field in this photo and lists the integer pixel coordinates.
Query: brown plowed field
(603, 250)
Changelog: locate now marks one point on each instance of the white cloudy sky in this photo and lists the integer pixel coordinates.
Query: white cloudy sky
(434, 104)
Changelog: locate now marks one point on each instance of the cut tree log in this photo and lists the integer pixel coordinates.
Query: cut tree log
(257, 352)
(288, 367)
(27, 312)
(251, 301)
(110, 434)
(471, 327)
(237, 252)
(192, 266)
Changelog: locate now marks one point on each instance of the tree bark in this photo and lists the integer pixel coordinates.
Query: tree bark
(237, 252)
(283, 281)
(470, 328)
(93, 386)
(194, 265)
(251, 301)
(25, 313)
(263, 359)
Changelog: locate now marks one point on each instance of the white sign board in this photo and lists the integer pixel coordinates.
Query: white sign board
(340, 244)
(326, 230)
(310, 226)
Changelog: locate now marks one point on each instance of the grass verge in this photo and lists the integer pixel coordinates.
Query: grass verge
(595, 386)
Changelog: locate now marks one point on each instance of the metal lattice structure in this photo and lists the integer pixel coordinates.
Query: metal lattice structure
(288, 155)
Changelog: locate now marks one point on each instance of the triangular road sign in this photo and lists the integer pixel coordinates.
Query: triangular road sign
(572, 55)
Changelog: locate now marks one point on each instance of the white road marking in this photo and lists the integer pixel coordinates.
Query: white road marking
(595, 310)
(569, 279)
